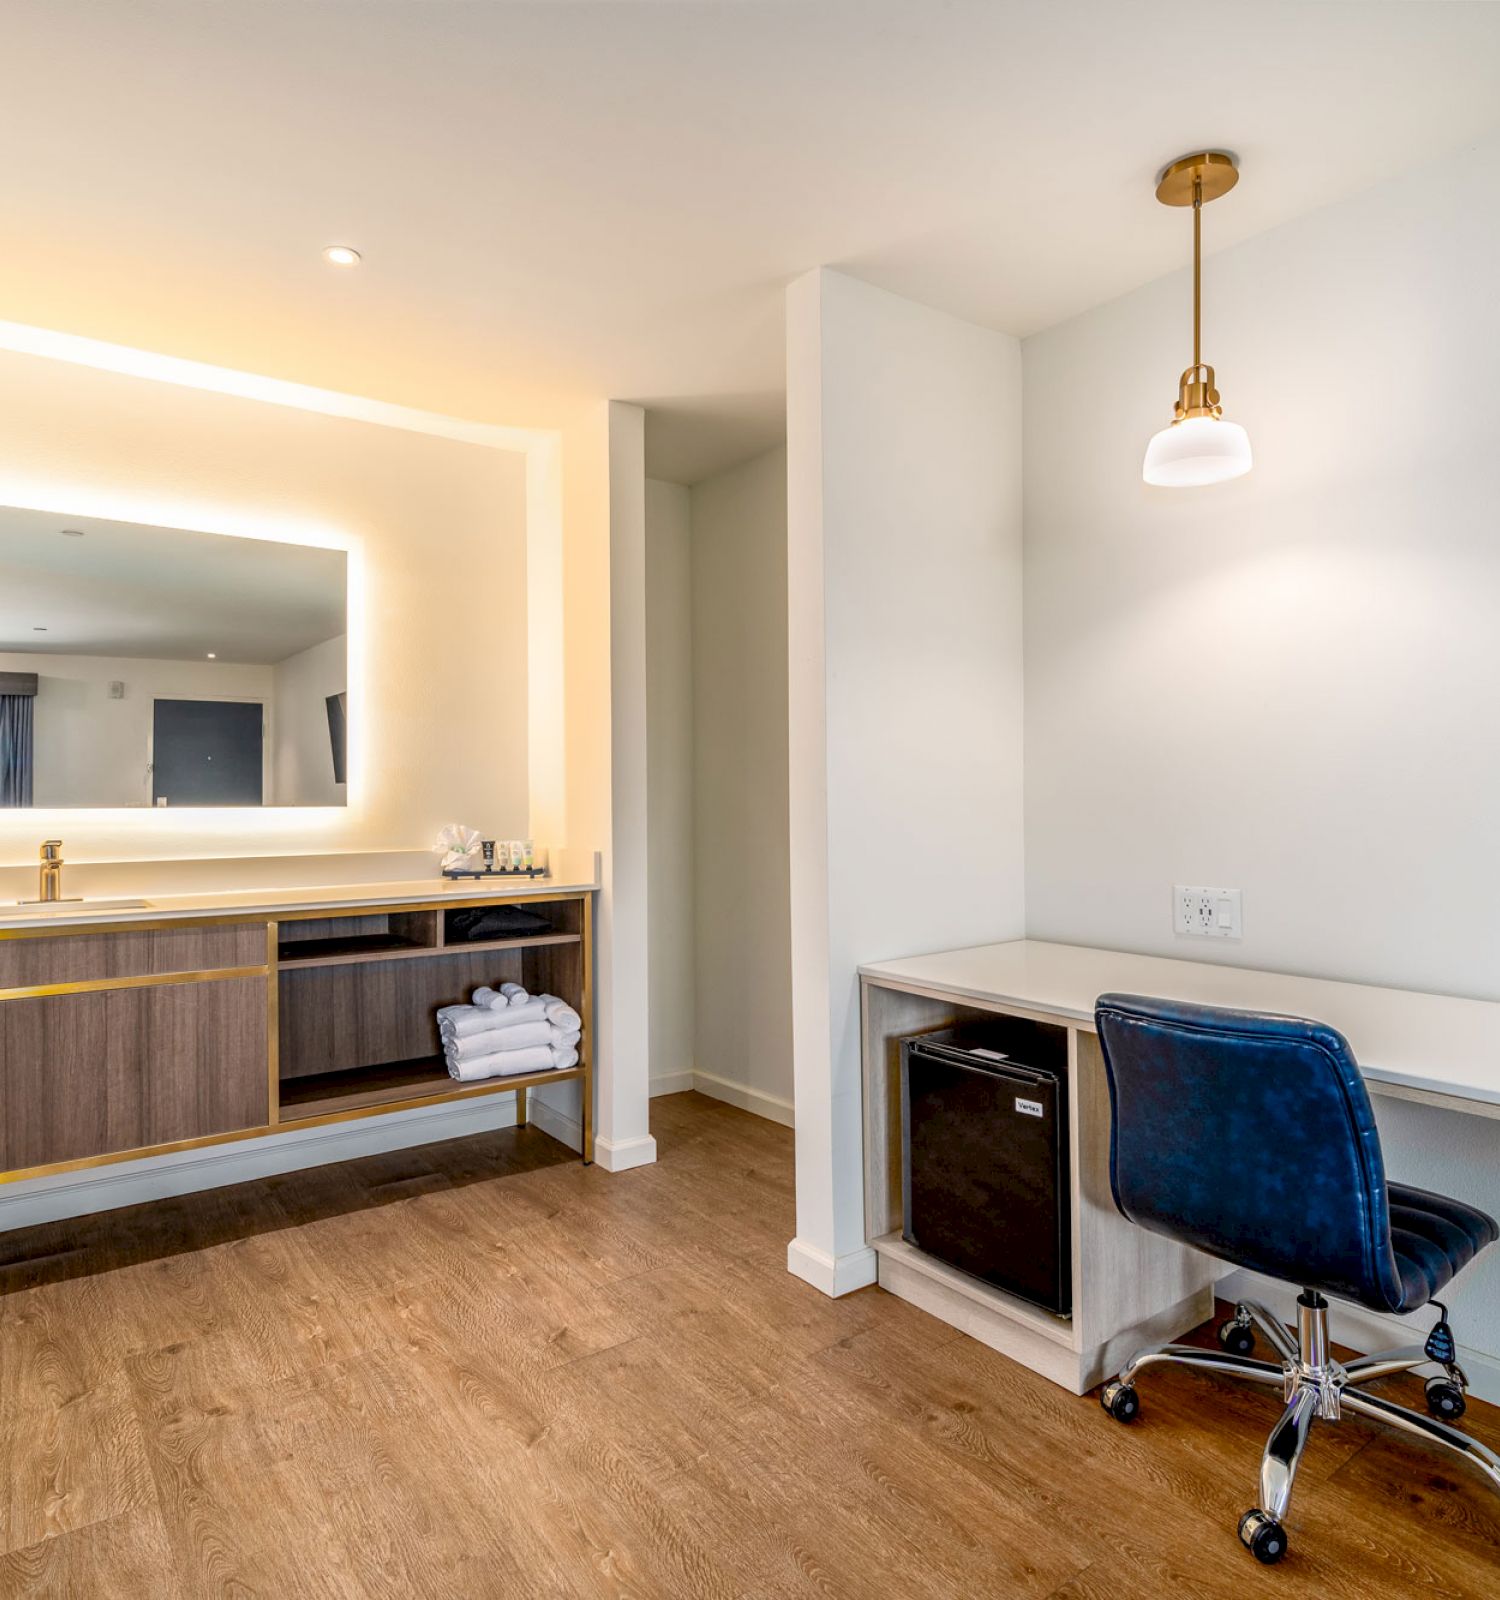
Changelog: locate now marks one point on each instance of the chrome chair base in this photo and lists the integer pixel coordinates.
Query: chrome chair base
(1316, 1388)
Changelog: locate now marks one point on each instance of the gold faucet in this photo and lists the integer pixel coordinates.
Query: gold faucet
(50, 888)
(49, 892)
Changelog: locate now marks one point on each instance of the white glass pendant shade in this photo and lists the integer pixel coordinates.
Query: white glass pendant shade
(1195, 452)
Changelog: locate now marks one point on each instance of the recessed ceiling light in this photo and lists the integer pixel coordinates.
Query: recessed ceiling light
(72, 533)
(341, 255)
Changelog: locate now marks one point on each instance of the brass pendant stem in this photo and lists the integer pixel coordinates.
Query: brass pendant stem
(1197, 271)
(1193, 181)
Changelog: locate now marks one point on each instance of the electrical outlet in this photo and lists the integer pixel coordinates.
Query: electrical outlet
(1206, 913)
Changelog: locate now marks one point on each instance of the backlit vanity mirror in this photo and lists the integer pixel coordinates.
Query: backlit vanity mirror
(145, 666)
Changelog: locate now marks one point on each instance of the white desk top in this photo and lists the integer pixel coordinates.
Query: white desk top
(271, 902)
(1436, 1044)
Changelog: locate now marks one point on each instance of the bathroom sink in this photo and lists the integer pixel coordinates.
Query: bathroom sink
(58, 907)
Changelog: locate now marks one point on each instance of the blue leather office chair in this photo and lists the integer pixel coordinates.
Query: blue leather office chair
(1251, 1138)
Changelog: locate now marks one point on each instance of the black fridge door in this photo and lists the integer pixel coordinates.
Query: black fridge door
(985, 1179)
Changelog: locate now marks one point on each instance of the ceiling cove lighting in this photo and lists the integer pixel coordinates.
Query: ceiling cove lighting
(341, 255)
(1197, 447)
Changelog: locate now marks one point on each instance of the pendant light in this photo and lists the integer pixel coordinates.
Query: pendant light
(1197, 447)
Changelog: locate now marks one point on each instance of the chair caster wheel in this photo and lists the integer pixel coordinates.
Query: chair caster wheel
(1263, 1537)
(1120, 1400)
(1238, 1338)
(1445, 1400)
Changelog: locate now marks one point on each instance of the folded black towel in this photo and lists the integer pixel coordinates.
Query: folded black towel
(494, 922)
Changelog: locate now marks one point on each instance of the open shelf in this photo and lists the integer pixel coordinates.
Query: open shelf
(425, 1078)
(348, 947)
(343, 951)
(519, 942)
(893, 1248)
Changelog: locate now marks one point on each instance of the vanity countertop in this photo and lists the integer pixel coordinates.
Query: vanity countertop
(252, 903)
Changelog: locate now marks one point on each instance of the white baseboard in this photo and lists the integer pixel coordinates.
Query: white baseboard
(614, 1155)
(1366, 1331)
(756, 1101)
(128, 1183)
(671, 1083)
(620, 1155)
(770, 1106)
(833, 1275)
(558, 1124)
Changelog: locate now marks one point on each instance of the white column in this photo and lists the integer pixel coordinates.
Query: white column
(623, 1138)
(904, 690)
(829, 1250)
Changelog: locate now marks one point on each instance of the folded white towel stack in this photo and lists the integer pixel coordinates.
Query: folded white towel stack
(514, 1063)
(506, 1032)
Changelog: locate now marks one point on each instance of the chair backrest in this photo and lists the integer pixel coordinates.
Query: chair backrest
(1251, 1137)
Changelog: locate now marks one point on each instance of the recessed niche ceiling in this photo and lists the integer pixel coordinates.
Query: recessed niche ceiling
(607, 199)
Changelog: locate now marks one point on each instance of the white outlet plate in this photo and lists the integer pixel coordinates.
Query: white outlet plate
(1206, 913)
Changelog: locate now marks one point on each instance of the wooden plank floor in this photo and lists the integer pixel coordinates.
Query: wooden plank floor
(481, 1370)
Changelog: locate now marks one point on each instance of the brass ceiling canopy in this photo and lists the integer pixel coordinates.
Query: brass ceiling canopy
(1214, 170)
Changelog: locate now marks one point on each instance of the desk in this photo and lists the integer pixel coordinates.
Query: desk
(1130, 1287)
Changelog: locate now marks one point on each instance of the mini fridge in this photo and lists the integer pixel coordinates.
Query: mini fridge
(984, 1159)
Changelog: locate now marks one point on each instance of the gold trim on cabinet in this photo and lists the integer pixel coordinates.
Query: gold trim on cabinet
(219, 919)
(111, 1158)
(273, 1023)
(587, 1041)
(469, 1091)
(143, 980)
(189, 919)
(426, 952)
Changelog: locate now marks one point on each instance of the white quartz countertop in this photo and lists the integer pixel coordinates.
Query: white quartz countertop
(272, 902)
(1435, 1043)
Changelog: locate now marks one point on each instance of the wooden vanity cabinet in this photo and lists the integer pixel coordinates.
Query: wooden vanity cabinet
(132, 1040)
(118, 1039)
(88, 1074)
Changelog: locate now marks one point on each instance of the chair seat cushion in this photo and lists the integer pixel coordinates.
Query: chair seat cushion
(1434, 1238)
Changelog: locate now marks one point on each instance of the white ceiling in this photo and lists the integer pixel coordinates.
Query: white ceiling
(608, 198)
(124, 589)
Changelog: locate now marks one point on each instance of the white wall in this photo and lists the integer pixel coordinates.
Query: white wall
(669, 784)
(1287, 683)
(302, 754)
(720, 932)
(743, 1033)
(90, 750)
(904, 651)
